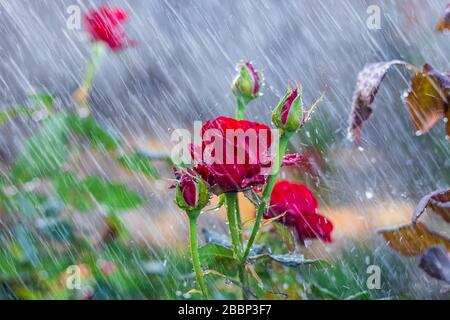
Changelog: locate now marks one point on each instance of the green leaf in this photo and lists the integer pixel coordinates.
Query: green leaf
(43, 100)
(83, 195)
(114, 195)
(138, 163)
(91, 130)
(292, 260)
(3, 180)
(116, 226)
(212, 250)
(285, 235)
(43, 153)
(72, 192)
(288, 260)
(40, 101)
(14, 112)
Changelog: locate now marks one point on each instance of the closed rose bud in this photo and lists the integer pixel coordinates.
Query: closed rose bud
(192, 193)
(247, 84)
(288, 114)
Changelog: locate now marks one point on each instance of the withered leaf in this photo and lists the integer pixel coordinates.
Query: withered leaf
(438, 201)
(444, 21)
(436, 262)
(413, 239)
(367, 84)
(428, 97)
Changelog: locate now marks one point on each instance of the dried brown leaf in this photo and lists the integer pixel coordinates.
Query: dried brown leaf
(438, 201)
(367, 84)
(427, 97)
(444, 21)
(413, 239)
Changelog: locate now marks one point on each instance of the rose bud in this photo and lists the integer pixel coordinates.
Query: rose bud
(192, 193)
(288, 114)
(247, 84)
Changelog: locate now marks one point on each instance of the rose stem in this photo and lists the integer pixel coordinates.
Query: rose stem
(97, 50)
(240, 109)
(267, 191)
(194, 252)
(231, 201)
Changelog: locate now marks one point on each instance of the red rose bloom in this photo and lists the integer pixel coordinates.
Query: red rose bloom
(105, 24)
(300, 208)
(242, 160)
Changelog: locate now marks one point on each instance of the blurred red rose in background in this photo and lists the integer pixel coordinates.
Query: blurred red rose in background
(105, 24)
(300, 208)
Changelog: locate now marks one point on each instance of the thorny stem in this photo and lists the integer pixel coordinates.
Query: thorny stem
(265, 199)
(194, 253)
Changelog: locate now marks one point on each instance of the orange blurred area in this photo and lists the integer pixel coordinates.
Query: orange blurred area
(350, 223)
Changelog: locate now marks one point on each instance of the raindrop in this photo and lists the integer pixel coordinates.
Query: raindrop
(369, 194)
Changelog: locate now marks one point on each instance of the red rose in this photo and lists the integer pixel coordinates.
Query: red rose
(236, 164)
(300, 208)
(105, 24)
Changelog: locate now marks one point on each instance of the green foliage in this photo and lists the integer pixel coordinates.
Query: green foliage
(29, 204)
(213, 250)
(84, 194)
(72, 192)
(14, 112)
(89, 129)
(38, 235)
(45, 152)
(138, 163)
(43, 100)
(114, 195)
